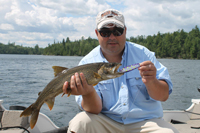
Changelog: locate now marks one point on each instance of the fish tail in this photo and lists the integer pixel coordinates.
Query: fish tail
(27, 111)
(34, 114)
(34, 118)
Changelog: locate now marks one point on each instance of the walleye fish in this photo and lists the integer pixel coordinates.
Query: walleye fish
(94, 73)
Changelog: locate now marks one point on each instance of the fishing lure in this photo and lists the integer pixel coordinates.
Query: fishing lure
(130, 68)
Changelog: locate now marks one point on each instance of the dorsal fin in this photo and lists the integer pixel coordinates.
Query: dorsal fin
(39, 93)
(58, 69)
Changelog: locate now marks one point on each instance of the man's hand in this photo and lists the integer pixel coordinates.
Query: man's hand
(157, 89)
(91, 101)
(147, 72)
(78, 85)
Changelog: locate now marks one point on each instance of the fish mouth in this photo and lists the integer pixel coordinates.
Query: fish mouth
(115, 72)
(115, 68)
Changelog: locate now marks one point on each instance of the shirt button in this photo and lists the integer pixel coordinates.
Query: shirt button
(124, 117)
(124, 104)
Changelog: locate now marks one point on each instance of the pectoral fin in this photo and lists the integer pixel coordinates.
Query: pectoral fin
(69, 91)
(97, 76)
(50, 103)
(58, 69)
(69, 94)
(63, 94)
(95, 84)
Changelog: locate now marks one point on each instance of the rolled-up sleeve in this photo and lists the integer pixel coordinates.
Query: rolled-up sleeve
(162, 72)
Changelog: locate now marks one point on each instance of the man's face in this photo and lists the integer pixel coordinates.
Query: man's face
(112, 45)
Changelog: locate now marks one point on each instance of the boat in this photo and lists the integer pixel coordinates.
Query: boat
(12, 123)
(185, 121)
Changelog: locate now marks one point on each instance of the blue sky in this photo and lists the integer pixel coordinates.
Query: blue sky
(31, 22)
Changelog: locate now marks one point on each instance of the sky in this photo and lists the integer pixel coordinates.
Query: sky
(31, 22)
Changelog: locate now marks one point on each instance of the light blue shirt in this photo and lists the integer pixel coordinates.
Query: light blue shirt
(125, 99)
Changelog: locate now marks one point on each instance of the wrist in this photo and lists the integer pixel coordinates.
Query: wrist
(89, 93)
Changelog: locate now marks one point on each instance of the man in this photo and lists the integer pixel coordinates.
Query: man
(130, 103)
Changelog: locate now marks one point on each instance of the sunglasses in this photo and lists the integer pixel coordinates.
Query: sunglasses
(105, 32)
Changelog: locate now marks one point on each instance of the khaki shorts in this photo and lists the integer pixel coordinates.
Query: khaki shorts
(90, 123)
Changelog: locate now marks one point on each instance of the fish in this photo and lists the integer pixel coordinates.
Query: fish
(93, 72)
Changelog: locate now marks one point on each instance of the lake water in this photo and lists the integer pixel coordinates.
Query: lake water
(23, 76)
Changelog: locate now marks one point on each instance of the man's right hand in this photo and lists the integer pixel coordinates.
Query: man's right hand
(78, 85)
(91, 101)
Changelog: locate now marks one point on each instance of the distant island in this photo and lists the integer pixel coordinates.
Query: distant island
(178, 44)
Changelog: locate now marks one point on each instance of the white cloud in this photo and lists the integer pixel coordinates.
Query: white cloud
(6, 27)
(41, 22)
(146, 17)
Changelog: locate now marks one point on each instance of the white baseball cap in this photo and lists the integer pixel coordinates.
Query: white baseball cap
(110, 18)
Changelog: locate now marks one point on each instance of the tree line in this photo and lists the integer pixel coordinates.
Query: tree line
(70, 48)
(11, 48)
(179, 44)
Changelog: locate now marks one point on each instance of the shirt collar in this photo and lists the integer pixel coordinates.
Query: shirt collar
(125, 51)
(102, 56)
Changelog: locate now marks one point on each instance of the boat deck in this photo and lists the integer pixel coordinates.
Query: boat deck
(192, 126)
(185, 121)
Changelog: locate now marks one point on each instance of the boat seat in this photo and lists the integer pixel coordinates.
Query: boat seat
(11, 119)
(1, 114)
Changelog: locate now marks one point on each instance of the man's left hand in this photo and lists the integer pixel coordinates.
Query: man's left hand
(147, 72)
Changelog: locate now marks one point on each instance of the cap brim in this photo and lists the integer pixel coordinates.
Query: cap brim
(110, 21)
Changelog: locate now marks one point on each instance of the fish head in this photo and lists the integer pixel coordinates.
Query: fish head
(109, 71)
